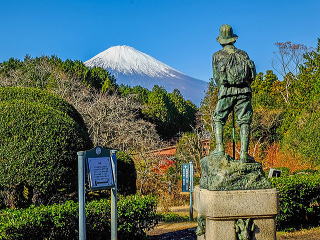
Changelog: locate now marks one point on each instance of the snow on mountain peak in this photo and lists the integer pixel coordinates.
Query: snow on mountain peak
(130, 61)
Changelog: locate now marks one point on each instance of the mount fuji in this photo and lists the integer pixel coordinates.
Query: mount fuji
(132, 67)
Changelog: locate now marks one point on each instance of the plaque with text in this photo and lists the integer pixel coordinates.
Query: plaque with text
(100, 173)
(99, 168)
(185, 177)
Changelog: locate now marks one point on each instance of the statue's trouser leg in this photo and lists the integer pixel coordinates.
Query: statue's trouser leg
(243, 109)
(218, 128)
(244, 139)
(223, 108)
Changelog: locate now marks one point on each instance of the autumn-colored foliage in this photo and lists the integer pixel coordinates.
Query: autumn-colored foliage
(276, 158)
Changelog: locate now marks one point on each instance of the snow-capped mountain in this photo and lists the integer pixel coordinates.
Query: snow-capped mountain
(132, 67)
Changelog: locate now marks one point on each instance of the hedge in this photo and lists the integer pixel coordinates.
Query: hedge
(38, 150)
(170, 217)
(37, 95)
(136, 214)
(127, 174)
(299, 197)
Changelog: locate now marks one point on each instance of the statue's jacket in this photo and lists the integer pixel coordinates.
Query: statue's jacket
(233, 72)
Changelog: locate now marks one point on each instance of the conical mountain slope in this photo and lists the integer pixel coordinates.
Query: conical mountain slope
(132, 67)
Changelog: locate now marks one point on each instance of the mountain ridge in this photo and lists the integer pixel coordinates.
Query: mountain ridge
(132, 67)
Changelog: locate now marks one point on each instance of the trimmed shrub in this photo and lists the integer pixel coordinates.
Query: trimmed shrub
(170, 217)
(127, 175)
(299, 201)
(136, 214)
(38, 149)
(37, 95)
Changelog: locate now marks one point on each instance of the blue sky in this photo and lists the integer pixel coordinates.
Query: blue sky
(181, 33)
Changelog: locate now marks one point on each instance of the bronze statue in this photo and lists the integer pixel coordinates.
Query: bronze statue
(233, 72)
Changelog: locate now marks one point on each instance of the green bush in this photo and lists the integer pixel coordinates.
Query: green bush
(172, 217)
(127, 174)
(37, 95)
(299, 197)
(303, 136)
(136, 214)
(38, 149)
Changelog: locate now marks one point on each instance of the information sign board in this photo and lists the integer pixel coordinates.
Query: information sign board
(100, 173)
(185, 177)
(99, 168)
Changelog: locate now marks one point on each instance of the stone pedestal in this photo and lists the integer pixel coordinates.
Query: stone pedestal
(223, 208)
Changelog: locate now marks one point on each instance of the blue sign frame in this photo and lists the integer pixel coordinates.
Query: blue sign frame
(187, 173)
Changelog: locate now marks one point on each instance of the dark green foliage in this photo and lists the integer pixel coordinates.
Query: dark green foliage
(136, 215)
(160, 110)
(32, 72)
(10, 65)
(184, 118)
(76, 68)
(127, 174)
(264, 91)
(100, 79)
(303, 136)
(45, 72)
(169, 111)
(36, 95)
(138, 92)
(299, 197)
(95, 77)
(172, 217)
(38, 147)
(306, 171)
(306, 89)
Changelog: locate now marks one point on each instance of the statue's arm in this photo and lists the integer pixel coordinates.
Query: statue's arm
(253, 71)
(216, 76)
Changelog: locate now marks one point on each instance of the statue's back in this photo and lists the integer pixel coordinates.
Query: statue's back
(233, 67)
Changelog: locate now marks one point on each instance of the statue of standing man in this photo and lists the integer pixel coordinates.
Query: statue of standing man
(233, 72)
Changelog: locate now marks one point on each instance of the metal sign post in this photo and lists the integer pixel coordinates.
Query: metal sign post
(114, 212)
(191, 191)
(82, 198)
(100, 166)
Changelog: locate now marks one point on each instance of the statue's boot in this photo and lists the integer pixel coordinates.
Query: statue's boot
(218, 129)
(244, 139)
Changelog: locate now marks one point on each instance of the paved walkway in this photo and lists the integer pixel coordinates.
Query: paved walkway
(187, 234)
(185, 231)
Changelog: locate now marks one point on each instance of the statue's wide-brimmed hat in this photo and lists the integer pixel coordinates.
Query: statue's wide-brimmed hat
(226, 35)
